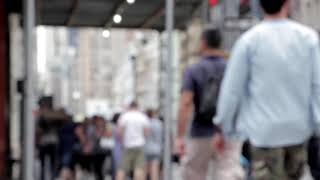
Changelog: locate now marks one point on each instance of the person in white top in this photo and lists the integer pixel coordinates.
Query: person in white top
(134, 127)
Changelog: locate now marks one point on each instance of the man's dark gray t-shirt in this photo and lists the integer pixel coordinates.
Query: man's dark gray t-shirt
(193, 80)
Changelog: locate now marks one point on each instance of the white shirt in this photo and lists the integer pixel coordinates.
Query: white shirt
(134, 124)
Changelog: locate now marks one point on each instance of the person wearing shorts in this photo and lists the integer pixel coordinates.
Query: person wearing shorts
(154, 144)
(133, 158)
(133, 129)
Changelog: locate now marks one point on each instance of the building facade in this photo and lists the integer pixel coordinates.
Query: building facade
(81, 67)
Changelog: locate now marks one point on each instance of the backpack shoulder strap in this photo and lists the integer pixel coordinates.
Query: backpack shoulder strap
(206, 71)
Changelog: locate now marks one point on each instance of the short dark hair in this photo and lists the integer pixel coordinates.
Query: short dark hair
(133, 104)
(212, 37)
(272, 6)
(150, 113)
(115, 118)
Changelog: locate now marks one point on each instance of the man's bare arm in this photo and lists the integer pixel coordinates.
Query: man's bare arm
(121, 133)
(185, 109)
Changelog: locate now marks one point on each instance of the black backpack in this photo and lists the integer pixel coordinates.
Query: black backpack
(209, 98)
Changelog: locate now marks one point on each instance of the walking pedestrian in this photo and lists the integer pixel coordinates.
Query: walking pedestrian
(102, 149)
(201, 83)
(117, 150)
(154, 144)
(270, 93)
(67, 141)
(133, 129)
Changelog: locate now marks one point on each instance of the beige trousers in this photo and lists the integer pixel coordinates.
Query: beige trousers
(201, 162)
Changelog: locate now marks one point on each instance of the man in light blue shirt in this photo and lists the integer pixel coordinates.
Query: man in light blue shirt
(271, 93)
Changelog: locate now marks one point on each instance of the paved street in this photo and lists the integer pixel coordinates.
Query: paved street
(177, 174)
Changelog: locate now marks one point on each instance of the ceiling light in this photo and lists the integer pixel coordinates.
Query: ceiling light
(76, 95)
(131, 1)
(106, 33)
(117, 18)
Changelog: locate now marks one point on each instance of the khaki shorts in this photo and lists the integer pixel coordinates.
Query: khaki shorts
(132, 159)
(200, 161)
(286, 163)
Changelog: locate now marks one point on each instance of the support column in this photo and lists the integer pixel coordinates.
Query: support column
(169, 88)
(29, 124)
(3, 88)
(255, 9)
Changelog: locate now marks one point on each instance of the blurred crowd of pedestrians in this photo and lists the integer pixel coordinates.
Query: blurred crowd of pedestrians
(130, 144)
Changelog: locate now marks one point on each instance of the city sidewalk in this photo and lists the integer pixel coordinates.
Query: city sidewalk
(176, 173)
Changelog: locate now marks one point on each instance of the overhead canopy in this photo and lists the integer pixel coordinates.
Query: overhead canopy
(147, 14)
